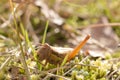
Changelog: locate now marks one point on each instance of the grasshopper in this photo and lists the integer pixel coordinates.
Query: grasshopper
(55, 55)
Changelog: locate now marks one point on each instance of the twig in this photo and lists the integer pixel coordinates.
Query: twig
(113, 73)
(76, 65)
(52, 70)
(94, 41)
(5, 55)
(49, 74)
(5, 63)
(100, 25)
(118, 78)
(87, 65)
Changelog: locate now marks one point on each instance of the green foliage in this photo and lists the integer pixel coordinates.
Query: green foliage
(45, 32)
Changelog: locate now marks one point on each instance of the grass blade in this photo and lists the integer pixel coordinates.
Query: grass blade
(44, 35)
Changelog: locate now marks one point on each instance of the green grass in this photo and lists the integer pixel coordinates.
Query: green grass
(45, 32)
(19, 43)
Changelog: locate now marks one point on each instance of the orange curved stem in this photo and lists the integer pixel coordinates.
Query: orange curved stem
(77, 48)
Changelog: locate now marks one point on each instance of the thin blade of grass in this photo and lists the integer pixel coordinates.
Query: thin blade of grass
(44, 35)
(65, 60)
(19, 43)
(30, 45)
(25, 34)
(5, 63)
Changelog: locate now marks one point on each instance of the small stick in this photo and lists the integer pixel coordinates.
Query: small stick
(77, 48)
(76, 65)
(101, 25)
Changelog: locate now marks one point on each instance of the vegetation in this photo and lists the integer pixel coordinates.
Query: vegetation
(26, 25)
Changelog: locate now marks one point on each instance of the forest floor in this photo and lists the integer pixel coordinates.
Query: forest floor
(60, 40)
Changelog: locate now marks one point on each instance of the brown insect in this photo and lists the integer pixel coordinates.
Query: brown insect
(55, 55)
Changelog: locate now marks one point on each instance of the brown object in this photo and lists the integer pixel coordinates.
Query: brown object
(55, 55)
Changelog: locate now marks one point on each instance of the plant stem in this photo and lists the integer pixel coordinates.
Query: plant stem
(19, 43)
(44, 35)
(5, 63)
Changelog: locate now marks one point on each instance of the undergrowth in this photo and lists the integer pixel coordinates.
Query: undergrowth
(18, 56)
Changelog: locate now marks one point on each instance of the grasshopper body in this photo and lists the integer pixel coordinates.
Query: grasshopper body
(55, 55)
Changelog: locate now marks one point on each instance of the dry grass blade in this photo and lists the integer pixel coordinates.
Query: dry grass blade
(101, 25)
(76, 65)
(19, 43)
(118, 78)
(5, 63)
(49, 75)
